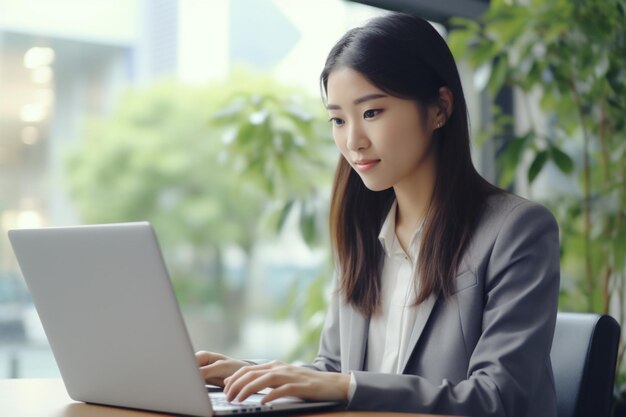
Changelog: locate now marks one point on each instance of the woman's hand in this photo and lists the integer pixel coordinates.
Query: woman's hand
(286, 380)
(215, 367)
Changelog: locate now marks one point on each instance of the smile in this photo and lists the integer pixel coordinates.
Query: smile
(366, 165)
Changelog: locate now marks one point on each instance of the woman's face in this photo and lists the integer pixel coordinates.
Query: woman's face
(385, 139)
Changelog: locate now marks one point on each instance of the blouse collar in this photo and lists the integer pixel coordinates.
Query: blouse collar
(388, 239)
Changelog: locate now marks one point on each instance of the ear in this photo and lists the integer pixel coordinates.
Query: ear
(443, 108)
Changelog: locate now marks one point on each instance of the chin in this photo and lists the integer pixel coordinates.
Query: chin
(375, 186)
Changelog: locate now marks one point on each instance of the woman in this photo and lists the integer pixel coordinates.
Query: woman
(446, 287)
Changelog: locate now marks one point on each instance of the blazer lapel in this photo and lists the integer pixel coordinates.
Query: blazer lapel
(426, 308)
(422, 318)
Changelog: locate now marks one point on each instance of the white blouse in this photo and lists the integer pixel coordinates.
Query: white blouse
(390, 328)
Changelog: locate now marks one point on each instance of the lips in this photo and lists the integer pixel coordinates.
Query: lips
(366, 164)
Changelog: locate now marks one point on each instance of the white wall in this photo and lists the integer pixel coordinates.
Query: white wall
(111, 21)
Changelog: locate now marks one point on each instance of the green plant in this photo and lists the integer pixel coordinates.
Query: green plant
(211, 168)
(278, 143)
(567, 57)
(154, 159)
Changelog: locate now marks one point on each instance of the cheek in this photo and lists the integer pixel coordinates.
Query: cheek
(408, 134)
(340, 142)
(392, 137)
(406, 128)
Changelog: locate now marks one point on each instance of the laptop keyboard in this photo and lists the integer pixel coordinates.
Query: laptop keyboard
(219, 402)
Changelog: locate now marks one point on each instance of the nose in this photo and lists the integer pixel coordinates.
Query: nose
(357, 138)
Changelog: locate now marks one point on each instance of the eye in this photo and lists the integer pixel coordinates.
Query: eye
(368, 114)
(336, 121)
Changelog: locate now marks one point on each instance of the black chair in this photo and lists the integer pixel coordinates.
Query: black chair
(584, 355)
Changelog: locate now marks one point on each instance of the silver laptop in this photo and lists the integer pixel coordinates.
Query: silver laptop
(110, 314)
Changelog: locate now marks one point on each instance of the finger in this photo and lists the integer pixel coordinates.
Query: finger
(287, 390)
(201, 357)
(262, 380)
(273, 365)
(214, 381)
(237, 375)
(230, 380)
(204, 358)
(234, 386)
(214, 372)
(252, 382)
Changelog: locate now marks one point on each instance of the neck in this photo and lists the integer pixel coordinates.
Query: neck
(410, 211)
(414, 196)
(413, 203)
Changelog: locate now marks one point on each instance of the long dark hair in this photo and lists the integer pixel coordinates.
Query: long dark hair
(406, 57)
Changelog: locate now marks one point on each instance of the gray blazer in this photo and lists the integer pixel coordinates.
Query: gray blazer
(484, 351)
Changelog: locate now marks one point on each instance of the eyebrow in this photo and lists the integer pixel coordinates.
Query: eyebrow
(358, 100)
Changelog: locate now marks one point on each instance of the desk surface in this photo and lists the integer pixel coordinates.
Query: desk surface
(48, 398)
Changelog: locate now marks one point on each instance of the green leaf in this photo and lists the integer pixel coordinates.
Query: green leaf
(464, 32)
(509, 159)
(459, 41)
(562, 160)
(308, 227)
(499, 74)
(284, 214)
(535, 168)
(484, 52)
(515, 147)
(507, 176)
(459, 23)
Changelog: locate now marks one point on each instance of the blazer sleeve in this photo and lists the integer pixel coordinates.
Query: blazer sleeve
(520, 297)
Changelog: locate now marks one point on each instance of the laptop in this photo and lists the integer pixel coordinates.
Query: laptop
(111, 317)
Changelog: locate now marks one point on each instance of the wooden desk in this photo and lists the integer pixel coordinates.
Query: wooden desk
(48, 398)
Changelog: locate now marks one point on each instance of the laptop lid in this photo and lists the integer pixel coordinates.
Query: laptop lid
(109, 311)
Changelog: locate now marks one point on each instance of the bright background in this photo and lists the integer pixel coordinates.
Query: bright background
(107, 113)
